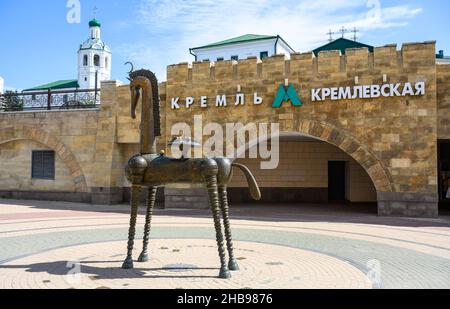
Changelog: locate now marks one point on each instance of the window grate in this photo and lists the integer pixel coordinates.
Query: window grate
(43, 165)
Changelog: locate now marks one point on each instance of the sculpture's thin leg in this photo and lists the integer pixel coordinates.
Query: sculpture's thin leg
(151, 200)
(213, 193)
(223, 194)
(135, 192)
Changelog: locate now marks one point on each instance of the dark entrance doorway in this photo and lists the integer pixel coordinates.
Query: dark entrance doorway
(337, 181)
(444, 173)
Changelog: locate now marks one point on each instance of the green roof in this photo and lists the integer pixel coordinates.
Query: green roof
(94, 23)
(60, 84)
(239, 39)
(342, 44)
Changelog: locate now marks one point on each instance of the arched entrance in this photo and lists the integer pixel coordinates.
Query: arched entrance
(35, 134)
(314, 161)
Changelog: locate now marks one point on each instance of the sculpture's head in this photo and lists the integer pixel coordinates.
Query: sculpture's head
(143, 83)
(136, 85)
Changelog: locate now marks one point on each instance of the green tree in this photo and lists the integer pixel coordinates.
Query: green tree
(10, 102)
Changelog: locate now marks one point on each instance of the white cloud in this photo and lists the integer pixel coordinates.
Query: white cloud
(177, 25)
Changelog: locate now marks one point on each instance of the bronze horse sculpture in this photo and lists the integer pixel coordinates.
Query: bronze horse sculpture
(152, 170)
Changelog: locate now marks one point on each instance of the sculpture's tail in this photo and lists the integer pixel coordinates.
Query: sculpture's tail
(253, 185)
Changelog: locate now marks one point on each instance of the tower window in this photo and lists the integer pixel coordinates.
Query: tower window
(97, 60)
(106, 62)
(263, 55)
(85, 60)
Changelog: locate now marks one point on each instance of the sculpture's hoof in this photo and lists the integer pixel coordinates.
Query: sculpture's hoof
(128, 264)
(233, 265)
(143, 257)
(225, 273)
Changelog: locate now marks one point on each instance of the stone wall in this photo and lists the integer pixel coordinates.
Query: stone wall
(16, 169)
(71, 134)
(393, 138)
(443, 99)
(91, 146)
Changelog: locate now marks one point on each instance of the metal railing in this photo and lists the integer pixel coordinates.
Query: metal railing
(50, 100)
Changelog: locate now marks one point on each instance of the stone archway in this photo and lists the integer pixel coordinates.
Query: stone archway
(35, 134)
(343, 140)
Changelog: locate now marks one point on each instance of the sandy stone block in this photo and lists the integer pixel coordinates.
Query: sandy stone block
(401, 163)
(286, 116)
(390, 138)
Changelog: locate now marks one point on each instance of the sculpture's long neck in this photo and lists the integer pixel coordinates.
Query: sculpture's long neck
(148, 138)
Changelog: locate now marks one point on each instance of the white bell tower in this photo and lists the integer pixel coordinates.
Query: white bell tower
(94, 59)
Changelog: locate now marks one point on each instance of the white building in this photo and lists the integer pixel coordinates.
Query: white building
(94, 57)
(242, 47)
(2, 85)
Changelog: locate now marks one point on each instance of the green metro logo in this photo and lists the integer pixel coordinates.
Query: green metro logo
(284, 95)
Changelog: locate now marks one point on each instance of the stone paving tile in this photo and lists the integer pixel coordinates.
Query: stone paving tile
(181, 266)
(411, 253)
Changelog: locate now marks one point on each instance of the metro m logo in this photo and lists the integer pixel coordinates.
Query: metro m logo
(285, 96)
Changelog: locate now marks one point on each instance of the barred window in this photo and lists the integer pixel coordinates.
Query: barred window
(43, 165)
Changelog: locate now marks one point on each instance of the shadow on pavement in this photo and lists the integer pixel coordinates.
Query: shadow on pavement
(62, 268)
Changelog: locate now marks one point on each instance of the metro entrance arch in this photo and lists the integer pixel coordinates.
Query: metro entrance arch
(314, 170)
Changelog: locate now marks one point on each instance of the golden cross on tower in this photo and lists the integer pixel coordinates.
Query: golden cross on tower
(95, 9)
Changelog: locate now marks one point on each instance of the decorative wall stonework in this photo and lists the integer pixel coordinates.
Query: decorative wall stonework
(35, 134)
(393, 139)
(19, 177)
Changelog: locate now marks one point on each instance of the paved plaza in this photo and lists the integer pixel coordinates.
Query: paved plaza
(63, 245)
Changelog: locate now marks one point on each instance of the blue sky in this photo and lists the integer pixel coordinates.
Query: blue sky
(40, 46)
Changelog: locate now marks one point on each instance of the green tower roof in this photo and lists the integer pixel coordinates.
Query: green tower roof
(341, 44)
(94, 23)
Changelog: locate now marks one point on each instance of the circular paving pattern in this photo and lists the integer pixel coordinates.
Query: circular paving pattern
(65, 245)
(180, 264)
